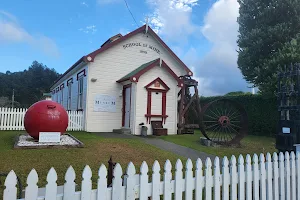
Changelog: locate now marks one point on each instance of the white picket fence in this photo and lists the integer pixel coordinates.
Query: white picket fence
(13, 119)
(263, 179)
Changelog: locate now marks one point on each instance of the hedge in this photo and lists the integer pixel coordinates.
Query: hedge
(262, 112)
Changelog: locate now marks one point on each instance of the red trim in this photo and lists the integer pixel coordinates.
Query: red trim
(123, 107)
(69, 81)
(80, 74)
(107, 46)
(139, 30)
(161, 82)
(149, 100)
(164, 104)
(149, 67)
(164, 100)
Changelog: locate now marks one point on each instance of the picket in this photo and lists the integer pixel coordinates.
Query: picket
(248, 178)
(262, 179)
(13, 119)
(198, 180)
(287, 175)
(226, 179)
(51, 187)
(269, 191)
(167, 181)
(143, 182)
(102, 183)
(234, 178)
(281, 176)
(69, 186)
(208, 179)
(178, 180)
(217, 178)
(298, 174)
(31, 191)
(275, 176)
(156, 181)
(189, 180)
(86, 184)
(10, 191)
(293, 176)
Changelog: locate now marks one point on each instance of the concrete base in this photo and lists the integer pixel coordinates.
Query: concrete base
(209, 143)
(76, 144)
(123, 131)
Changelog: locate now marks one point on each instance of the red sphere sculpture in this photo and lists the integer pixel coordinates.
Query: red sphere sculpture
(45, 116)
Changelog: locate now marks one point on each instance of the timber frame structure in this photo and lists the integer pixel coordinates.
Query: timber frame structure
(222, 121)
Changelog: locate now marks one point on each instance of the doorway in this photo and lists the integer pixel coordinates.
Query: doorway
(126, 106)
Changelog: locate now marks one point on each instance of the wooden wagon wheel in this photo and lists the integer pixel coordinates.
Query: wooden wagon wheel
(224, 121)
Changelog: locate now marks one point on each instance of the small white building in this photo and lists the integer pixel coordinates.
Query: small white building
(129, 80)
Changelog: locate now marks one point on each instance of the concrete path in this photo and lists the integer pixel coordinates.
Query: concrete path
(164, 145)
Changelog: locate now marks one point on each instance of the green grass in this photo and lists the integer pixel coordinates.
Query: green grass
(249, 145)
(97, 151)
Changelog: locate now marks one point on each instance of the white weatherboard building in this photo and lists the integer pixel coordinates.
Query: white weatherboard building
(131, 79)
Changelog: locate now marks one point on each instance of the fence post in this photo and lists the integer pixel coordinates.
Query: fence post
(217, 178)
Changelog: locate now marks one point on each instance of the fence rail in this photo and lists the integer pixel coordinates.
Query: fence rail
(13, 119)
(266, 178)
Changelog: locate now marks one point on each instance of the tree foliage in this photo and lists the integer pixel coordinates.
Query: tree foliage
(237, 93)
(268, 40)
(29, 85)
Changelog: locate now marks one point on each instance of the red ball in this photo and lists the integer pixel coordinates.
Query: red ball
(45, 116)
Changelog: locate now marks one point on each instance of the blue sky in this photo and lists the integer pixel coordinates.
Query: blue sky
(57, 33)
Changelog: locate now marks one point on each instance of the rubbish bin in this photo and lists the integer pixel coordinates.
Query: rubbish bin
(144, 130)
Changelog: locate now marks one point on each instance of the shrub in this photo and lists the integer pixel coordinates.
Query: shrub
(262, 112)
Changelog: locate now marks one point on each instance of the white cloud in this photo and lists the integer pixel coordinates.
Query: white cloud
(217, 70)
(101, 2)
(84, 4)
(12, 32)
(123, 31)
(172, 18)
(89, 29)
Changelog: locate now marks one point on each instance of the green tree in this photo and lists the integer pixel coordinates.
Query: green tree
(29, 85)
(237, 93)
(268, 39)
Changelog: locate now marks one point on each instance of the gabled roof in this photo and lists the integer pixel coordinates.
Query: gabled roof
(90, 57)
(138, 72)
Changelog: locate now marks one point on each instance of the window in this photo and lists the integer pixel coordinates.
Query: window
(62, 94)
(80, 77)
(80, 92)
(69, 102)
(69, 96)
(62, 97)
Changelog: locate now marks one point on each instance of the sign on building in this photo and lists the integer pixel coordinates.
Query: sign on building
(104, 103)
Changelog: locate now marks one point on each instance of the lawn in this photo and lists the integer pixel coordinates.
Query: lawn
(249, 145)
(97, 151)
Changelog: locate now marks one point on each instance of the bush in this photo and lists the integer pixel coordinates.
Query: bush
(262, 112)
